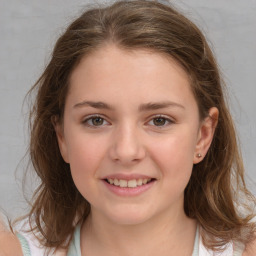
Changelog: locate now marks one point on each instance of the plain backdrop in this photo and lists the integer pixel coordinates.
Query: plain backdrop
(28, 31)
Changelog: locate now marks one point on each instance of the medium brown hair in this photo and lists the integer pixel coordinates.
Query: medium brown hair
(212, 195)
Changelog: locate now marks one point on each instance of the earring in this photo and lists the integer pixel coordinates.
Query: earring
(199, 155)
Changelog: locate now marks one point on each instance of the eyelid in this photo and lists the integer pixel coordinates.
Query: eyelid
(87, 118)
(167, 118)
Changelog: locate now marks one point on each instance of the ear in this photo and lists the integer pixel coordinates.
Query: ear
(205, 134)
(58, 127)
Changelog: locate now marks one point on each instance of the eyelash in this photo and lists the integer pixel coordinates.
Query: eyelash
(90, 118)
(165, 119)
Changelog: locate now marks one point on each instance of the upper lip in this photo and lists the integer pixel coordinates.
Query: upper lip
(121, 176)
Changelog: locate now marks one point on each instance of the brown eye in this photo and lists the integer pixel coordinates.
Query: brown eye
(96, 121)
(159, 121)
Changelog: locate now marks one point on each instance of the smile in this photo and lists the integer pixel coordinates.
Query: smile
(128, 186)
(128, 183)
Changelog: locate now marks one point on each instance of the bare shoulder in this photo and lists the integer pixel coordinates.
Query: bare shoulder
(250, 249)
(9, 244)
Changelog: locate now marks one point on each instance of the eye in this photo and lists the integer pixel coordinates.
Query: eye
(160, 121)
(94, 121)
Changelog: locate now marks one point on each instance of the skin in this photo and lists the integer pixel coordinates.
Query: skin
(129, 138)
(250, 249)
(9, 244)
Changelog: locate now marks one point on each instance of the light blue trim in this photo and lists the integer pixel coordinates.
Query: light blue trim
(74, 247)
(24, 245)
(196, 243)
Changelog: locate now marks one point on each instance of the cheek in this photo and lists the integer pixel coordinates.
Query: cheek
(85, 156)
(174, 155)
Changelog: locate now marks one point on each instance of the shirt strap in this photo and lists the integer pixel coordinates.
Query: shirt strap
(238, 249)
(74, 247)
(24, 245)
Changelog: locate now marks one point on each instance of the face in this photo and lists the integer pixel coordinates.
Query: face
(131, 132)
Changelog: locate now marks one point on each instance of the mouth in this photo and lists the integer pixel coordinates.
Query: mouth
(134, 183)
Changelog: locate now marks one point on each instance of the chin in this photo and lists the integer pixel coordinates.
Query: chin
(129, 217)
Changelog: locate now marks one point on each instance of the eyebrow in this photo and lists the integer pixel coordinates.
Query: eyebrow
(159, 105)
(94, 104)
(143, 107)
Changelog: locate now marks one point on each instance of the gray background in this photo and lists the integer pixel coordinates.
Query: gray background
(28, 30)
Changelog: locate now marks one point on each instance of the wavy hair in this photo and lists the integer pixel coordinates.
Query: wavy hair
(213, 193)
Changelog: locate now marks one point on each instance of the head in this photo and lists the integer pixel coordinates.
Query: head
(134, 26)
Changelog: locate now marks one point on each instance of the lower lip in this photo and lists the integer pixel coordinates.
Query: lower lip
(129, 191)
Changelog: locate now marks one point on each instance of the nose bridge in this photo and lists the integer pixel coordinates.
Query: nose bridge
(127, 146)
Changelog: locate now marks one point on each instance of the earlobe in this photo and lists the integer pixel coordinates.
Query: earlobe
(58, 127)
(205, 134)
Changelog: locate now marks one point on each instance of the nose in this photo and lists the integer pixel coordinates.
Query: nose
(127, 147)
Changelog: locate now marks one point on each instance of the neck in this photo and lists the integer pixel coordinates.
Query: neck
(162, 235)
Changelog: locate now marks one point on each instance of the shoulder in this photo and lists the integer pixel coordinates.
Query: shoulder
(31, 245)
(250, 249)
(9, 244)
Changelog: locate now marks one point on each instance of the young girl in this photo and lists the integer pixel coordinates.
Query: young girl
(134, 144)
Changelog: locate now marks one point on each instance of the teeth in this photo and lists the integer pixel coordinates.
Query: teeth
(123, 183)
(139, 182)
(132, 184)
(129, 183)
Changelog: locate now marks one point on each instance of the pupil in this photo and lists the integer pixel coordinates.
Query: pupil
(159, 121)
(97, 121)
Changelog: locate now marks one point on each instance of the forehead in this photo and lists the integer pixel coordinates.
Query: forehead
(142, 74)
